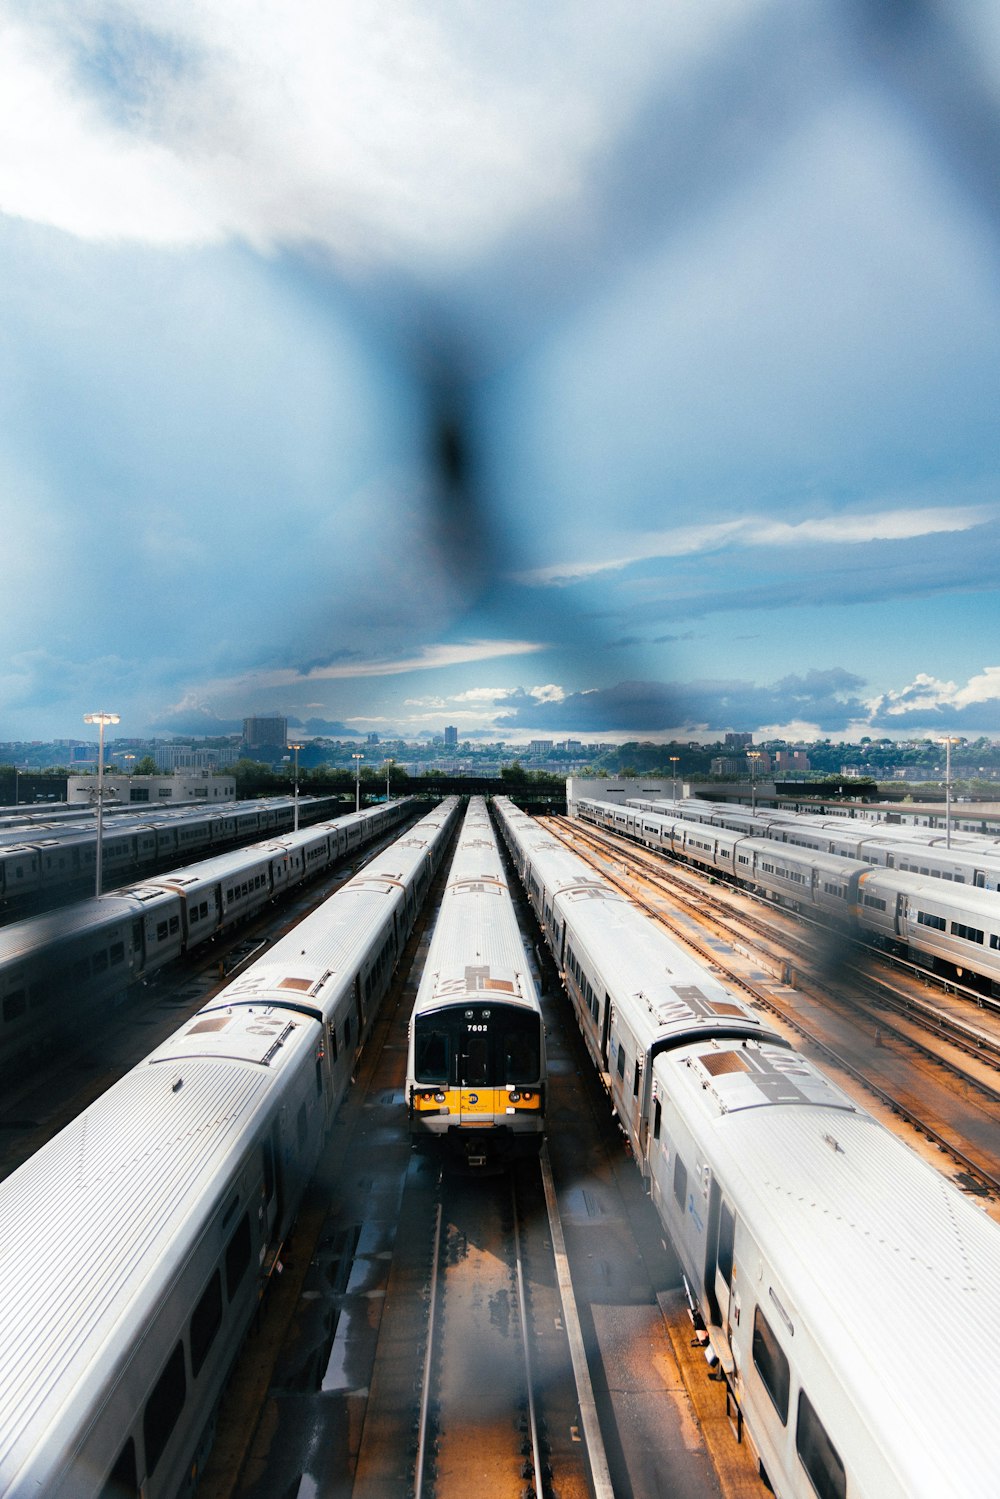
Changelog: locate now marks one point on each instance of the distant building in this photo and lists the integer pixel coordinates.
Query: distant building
(796, 760)
(738, 741)
(450, 736)
(739, 767)
(540, 746)
(265, 738)
(186, 786)
(371, 739)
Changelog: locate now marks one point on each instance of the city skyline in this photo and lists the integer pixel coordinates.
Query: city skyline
(592, 378)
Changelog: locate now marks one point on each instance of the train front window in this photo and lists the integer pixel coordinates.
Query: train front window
(432, 1056)
(521, 1058)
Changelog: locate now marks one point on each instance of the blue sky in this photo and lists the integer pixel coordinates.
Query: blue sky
(586, 372)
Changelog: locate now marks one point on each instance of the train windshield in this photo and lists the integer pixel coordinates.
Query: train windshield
(478, 1046)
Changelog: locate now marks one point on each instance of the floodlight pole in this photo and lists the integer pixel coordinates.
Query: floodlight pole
(100, 719)
(296, 748)
(754, 757)
(947, 742)
(357, 781)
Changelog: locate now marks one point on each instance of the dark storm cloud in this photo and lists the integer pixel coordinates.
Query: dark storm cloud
(826, 698)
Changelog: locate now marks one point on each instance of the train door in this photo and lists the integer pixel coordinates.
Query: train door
(359, 1006)
(719, 1256)
(475, 1073)
(606, 1031)
(899, 923)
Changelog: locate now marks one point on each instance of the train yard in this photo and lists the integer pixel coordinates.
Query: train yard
(463, 1324)
(920, 1048)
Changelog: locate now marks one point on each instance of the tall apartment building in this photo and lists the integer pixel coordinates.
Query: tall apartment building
(265, 738)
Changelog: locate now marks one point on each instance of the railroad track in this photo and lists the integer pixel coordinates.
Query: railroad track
(693, 897)
(479, 1413)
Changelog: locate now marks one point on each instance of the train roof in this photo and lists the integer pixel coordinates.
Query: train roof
(97, 1223)
(477, 921)
(661, 989)
(311, 964)
(824, 1189)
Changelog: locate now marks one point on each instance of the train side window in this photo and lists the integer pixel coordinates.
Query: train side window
(206, 1319)
(123, 1480)
(333, 1039)
(817, 1453)
(117, 952)
(347, 1031)
(657, 1118)
(161, 931)
(680, 1180)
(237, 1256)
(771, 1364)
(621, 1061)
(163, 1408)
(635, 1079)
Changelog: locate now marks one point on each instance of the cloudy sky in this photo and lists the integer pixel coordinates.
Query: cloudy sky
(577, 370)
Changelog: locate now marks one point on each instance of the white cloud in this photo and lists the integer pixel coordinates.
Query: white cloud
(61, 164)
(844, 529)
(376, 132)
(429, 658)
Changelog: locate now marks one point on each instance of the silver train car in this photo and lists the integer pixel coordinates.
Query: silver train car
(634, 990)
(57, 857)
(58, 969)
(952, 927)
(832, 1274)
(475, 1075)
(135, 1246)
(972, 859)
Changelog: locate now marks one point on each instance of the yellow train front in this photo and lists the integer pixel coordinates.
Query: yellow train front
(476, 1060)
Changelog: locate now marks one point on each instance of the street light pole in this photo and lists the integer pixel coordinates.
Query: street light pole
(754, 757)
(388, 766)
(100, 719)
(673, 774)
(357, 781)
(296, 748)
(947, 742)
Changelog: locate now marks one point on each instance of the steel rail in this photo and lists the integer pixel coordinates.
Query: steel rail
(522, 1304)
(425, 1396)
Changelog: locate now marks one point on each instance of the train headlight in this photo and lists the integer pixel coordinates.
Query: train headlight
(515, 1098)
(527, 1095)
(439, 1098)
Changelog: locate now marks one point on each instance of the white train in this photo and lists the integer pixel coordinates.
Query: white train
(475, 1075)
(58, 856)
(972, 859)
(911, 907)
(844, 1288)
(58, 969)
(135, 1245)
